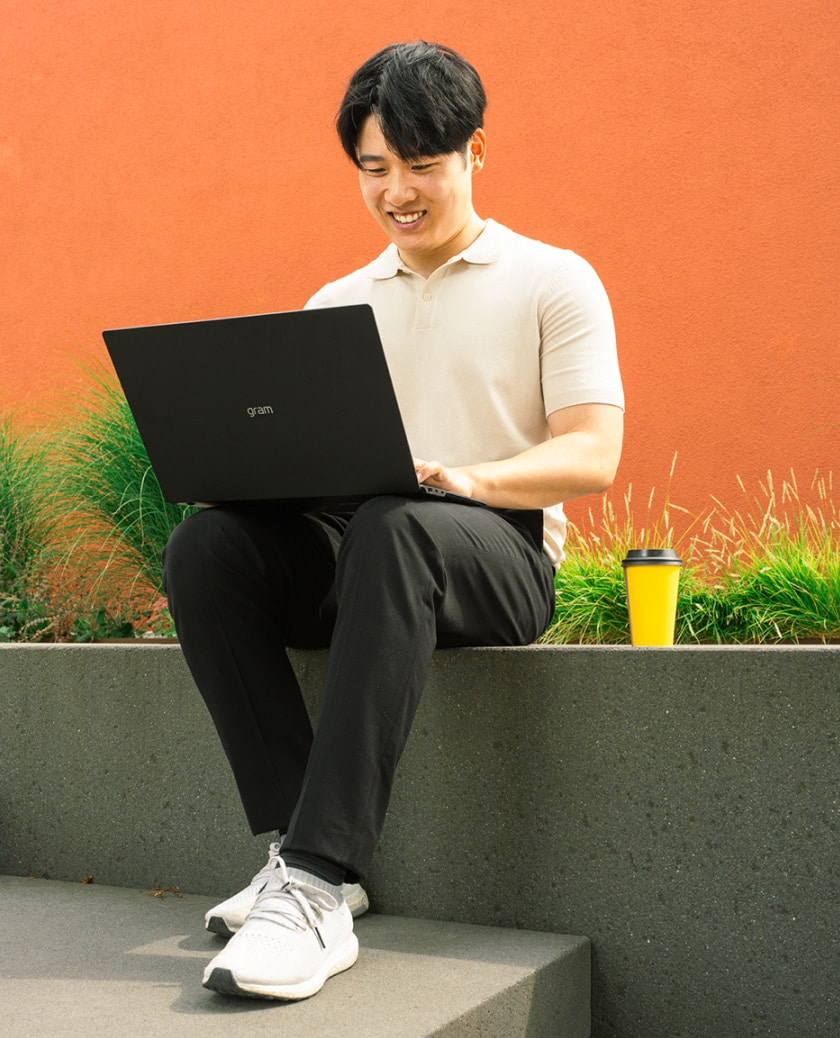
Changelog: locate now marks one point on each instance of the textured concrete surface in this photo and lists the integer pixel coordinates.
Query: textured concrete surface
(677, 806)
(88, 960)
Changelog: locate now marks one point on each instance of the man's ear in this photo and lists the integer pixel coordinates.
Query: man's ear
(477, 150)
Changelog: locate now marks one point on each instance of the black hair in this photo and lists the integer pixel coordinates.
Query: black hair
(427, 100)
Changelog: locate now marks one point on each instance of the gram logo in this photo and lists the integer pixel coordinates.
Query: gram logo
(254, 411)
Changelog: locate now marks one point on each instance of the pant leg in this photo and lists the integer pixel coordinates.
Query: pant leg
(243, 583)
(412, 575)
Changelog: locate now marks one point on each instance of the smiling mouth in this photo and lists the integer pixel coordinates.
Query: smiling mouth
(407, 219)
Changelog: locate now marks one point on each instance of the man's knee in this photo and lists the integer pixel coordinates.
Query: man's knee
(387, 520)
(188, 542)
(388, 539)
(214, 539)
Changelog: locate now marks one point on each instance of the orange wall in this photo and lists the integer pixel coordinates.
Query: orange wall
(171, 160)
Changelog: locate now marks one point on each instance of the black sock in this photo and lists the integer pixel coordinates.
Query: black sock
(323, 868)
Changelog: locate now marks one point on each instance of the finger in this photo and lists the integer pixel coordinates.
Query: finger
(429, 470)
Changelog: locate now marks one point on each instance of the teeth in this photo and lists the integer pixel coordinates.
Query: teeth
(407, 217)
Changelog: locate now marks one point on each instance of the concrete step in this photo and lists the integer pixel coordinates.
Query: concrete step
(82, 959)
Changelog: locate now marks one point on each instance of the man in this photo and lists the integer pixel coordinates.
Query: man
(502, 353)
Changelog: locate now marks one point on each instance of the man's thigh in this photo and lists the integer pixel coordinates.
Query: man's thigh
(494, 586)
(286, 559)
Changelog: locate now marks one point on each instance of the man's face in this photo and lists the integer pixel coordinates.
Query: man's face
(424, 206)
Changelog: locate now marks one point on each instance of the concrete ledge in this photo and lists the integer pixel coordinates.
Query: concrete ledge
(677, 806)
(90, 960)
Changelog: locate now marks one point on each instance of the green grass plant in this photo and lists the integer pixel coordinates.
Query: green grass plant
(767, 572)
(115, 519)
(27, 599)
(775, 564)
(83, 524)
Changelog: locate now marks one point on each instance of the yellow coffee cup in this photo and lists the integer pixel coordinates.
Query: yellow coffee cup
(652, 577)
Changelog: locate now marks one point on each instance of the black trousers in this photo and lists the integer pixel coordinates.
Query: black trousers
(382, 587)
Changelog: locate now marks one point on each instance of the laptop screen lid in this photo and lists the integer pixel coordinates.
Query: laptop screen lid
(296, 406)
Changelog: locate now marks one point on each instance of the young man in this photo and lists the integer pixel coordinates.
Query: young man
(502, 353)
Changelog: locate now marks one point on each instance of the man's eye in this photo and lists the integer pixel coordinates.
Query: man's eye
(377, 172)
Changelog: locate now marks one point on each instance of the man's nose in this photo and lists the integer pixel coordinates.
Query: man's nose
(400, 189)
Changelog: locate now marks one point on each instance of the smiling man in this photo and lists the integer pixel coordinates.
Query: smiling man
(502, 353)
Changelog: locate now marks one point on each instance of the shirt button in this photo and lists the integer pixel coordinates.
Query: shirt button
(427, 296)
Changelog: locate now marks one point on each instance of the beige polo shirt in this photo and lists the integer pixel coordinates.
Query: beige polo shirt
(488, 346)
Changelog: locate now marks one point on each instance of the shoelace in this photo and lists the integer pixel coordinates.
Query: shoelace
(292, 904)
(265, 872)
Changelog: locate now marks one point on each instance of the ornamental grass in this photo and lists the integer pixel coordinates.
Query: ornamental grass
(26, 603)
(83, 524)
(767, 571)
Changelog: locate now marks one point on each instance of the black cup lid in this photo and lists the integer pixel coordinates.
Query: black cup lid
(652, 557)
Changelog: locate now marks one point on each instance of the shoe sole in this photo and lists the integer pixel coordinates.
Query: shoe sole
(219, 925)
(225, 983)
(359, 904)
(216, 924)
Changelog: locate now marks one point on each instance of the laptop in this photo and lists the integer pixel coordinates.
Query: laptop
(295, 407)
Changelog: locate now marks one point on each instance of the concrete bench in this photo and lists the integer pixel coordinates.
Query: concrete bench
(676, 806)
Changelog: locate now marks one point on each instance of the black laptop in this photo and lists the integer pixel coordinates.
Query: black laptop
(295, 407)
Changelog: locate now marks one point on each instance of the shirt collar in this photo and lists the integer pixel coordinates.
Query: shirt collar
(485, 249)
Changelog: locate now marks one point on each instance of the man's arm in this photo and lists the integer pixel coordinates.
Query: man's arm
(581, 457)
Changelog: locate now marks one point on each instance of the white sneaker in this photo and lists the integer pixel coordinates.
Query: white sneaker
(295, 938)
(229, 916)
